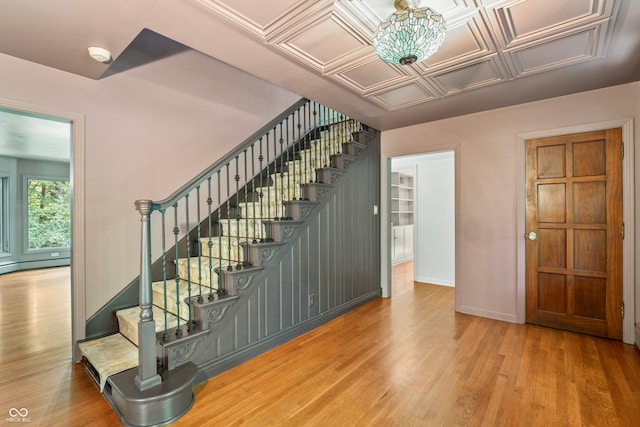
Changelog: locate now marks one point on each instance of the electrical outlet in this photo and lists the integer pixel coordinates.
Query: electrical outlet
(312, 300)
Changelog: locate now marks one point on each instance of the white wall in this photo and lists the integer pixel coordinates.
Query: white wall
(148, 131)
(435, 219)
(487, 141)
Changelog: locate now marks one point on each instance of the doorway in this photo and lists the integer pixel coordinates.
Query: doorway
(423, 193)
(75, 149)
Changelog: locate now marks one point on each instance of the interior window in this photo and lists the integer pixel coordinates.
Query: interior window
(49, 213)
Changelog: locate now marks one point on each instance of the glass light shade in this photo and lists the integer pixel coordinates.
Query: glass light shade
(409, 35)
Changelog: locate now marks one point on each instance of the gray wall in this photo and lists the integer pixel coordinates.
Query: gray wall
(19, 257)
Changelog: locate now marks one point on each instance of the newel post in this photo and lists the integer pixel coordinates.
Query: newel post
(147, 369)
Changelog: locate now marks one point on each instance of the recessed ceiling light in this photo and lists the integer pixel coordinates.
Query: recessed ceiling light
(100, 54)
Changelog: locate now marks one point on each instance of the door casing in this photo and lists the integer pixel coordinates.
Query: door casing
(628, 202)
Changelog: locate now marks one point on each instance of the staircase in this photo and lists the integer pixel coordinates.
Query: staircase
(251, 256)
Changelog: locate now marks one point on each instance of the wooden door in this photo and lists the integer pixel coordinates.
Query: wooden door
(574, 232)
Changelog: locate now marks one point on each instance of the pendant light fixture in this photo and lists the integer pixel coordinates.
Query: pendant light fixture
(410, 34)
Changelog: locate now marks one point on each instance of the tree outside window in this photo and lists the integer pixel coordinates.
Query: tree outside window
(49, 213)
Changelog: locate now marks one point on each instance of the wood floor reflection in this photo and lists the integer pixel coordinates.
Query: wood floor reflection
(36, 371)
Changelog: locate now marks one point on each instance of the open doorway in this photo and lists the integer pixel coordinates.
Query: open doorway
(423, 217)
(73, 151)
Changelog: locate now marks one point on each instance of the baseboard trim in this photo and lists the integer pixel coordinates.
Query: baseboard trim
(435, 281)
(34, 265)
(637, 335)
(506, 317)
(231, 360)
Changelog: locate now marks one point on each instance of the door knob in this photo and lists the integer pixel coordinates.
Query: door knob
(531, 236)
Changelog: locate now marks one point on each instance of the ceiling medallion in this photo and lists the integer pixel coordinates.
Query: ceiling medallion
(410, 34)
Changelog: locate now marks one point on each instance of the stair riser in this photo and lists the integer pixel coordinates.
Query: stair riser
(199, 275)
(277, 192)
(353, 148)
(266, 211)
(341, 161)
(315, 192)
(329, 175)
(309, 160)
(240, 228)
(293, 178)
(281, 231)
(220, 249)
(128, 321)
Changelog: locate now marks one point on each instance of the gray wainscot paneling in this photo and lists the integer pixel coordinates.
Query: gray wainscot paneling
(329, 266)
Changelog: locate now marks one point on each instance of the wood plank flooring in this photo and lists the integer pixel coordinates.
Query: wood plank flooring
(405, 361)
(36, 371)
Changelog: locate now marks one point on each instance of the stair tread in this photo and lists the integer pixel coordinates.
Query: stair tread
(128, 319)
(110, 355)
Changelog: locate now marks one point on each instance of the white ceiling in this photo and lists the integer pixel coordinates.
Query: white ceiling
(28, 136)
(496, 53)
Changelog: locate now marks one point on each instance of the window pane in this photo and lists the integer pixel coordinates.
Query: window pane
(49, 210)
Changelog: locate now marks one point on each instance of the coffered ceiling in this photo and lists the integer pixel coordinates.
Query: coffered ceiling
(496, 52)
(488, 42)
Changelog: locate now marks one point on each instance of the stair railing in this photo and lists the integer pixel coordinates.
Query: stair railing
(241, 190)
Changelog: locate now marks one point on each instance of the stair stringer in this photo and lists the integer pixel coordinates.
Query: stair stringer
(329, 266)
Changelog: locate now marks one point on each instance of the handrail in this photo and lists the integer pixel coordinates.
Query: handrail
(189, 186)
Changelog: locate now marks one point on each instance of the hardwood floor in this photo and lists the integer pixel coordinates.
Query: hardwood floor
(405, 361)
(36, 371)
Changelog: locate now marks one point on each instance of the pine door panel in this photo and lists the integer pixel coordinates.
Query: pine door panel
(574, 226)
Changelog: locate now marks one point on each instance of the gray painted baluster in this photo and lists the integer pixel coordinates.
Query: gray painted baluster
(188, 242)
(237, 217)
(176, 230)
(292, 156)
(269, 175)
(299, 174)
(200, 299)
(330, 136)
(221, 290)
(284, 160)
(281, 173)
(228, 198)
(341, 132)
(253, 192)
(307, 131)
(165, 335)
(320, 138)
(261, 195)
(285, 156)
(245, 262)
(210, 242)
(311, 172)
